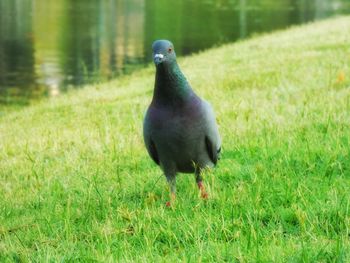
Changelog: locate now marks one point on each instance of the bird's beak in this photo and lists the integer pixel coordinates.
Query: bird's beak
(158, 58)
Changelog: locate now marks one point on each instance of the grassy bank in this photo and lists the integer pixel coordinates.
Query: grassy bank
(76, 182)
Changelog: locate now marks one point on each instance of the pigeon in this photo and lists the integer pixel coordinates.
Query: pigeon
(179, 128)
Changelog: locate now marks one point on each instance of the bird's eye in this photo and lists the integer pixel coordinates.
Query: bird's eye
(170, 49)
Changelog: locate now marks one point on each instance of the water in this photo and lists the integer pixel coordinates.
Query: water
(50, 46)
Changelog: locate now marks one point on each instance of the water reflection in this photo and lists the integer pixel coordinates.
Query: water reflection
(17, 49)
(47, 46)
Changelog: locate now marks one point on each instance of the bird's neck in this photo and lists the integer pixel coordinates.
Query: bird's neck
(171, 86)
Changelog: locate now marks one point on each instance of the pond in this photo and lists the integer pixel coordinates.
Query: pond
(50, 46)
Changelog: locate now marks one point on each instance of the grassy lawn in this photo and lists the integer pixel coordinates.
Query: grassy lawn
(76, 183)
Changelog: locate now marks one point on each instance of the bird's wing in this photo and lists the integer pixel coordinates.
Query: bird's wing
(152, 151)
(150, 146)
(212, 137)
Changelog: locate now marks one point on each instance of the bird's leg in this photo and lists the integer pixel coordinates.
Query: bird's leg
(200, 184)
(172, 187)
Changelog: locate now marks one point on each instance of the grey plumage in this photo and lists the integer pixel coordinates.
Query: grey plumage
(179, 129)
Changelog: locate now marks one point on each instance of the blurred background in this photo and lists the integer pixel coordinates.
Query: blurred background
(50, 46)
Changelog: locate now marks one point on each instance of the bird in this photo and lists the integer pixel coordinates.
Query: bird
(179, 128)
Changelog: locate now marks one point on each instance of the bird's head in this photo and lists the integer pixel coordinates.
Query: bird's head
(163, 52)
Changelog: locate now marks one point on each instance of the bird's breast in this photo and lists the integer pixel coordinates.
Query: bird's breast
(174, 131)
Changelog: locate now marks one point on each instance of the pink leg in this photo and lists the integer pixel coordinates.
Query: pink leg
(172, 200)
(201, 187)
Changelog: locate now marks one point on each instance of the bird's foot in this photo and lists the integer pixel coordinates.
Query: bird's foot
(204, 193)
(172, 200)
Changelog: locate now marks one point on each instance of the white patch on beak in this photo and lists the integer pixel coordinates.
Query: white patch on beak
(158, 56)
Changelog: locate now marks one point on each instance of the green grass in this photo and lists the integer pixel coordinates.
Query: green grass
(76, 183)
